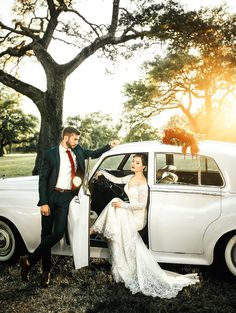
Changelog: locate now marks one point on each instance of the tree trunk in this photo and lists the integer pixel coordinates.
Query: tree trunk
(10, 148)
(1, 151)
(49, 136)
(51, 120)
(208, 109)
(193, 122)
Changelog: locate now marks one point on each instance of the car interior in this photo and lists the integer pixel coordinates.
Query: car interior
(205, 173)
(166, 175)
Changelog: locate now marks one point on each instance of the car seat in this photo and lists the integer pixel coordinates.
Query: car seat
(166, 175)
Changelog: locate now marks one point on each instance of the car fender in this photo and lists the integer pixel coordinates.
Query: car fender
(215, 231)
(23, 215)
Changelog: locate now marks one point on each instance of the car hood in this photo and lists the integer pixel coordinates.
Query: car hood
(19, 183)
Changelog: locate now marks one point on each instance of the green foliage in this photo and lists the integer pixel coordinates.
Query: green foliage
(97, 129)
(16, 127)
(178, 121)
(197, 75)
(137, 107)
(142, 132)
(12, 165)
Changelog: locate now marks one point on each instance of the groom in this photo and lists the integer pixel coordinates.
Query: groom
(62, 167)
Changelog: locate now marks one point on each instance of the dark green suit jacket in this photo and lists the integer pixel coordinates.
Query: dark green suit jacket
(51, 165)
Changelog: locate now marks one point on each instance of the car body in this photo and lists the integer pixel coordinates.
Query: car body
(191, 206)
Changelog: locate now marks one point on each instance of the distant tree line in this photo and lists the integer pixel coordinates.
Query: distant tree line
(19, 132)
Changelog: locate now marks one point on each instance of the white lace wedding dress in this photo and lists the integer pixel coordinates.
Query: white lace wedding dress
(132, 262)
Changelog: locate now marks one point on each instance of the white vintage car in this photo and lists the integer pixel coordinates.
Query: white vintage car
(191, 207)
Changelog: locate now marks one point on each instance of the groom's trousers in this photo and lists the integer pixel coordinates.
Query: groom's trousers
(53, 227)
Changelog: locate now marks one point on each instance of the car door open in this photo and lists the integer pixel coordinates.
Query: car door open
(78, 229)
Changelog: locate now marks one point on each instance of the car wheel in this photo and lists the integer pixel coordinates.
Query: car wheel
(230, 255)
(7, 242)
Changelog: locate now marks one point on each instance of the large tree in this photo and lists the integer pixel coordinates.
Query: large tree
(36, 24)
(197, 76)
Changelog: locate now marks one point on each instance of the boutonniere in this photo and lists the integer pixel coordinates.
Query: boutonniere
(77, 181)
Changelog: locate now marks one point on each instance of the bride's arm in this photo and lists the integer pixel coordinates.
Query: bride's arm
(114, 179)
(141, 202)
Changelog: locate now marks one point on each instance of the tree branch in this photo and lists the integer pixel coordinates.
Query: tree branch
(114, 19)
(17, 51)
(13, 30)
(52, 8)
(20, 49)
(35, 94)
(49, 64)
(53, 21)
(92, 25)
(98, 43)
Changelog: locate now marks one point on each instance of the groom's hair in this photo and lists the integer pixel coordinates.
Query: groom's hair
(68, 131)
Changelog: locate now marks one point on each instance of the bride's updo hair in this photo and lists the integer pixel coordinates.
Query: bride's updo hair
(143, 157)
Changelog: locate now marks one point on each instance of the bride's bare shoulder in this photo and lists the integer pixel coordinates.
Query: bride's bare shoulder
(142, 183)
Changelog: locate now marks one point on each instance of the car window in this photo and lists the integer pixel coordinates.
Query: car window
(185, 169)
(210, 174)
(119, 164)
(112, 162)
(127, 165)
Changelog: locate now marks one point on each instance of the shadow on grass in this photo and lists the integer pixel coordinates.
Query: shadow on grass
(92, 289)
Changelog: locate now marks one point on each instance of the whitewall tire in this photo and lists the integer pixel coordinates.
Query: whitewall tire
(7, 242)
(230, 255)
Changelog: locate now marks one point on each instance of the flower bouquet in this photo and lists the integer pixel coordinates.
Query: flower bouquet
(180, 137)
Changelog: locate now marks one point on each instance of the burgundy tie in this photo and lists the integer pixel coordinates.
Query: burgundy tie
(72, 167)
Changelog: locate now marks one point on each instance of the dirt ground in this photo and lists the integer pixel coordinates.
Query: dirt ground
(92, 289)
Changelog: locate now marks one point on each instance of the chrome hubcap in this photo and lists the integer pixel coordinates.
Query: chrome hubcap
(5, 242)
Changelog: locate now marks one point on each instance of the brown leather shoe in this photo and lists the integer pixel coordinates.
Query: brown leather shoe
(25, 267)
(45, 279)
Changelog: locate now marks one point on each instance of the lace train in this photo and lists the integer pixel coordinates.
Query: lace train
(132, 263)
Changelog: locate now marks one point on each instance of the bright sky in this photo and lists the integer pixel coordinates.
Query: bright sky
(89, 88)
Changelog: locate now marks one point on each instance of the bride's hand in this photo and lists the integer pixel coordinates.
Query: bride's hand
(98, 173)
(116, 203)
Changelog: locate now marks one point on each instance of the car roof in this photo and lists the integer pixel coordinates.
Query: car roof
(207, 147)
(224, 153)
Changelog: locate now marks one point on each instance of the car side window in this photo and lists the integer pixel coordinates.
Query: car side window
(120, 164)
(115, 164)
(112, 162)
(210, 174)
(178, 168)
(187, 169)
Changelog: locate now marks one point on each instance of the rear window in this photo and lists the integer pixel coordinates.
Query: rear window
(186, 169)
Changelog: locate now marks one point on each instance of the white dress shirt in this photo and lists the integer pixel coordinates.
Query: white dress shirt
(64, 177)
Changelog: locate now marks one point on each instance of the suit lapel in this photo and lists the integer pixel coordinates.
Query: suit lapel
(79, 160)
(57, 159)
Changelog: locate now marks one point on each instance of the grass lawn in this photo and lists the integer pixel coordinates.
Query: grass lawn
(13, 165)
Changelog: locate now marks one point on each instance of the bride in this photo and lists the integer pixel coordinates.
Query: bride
(119, 222)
